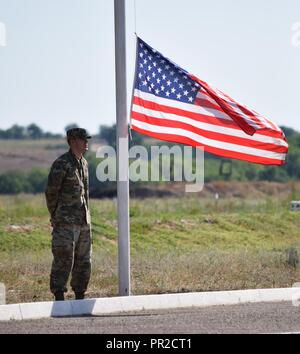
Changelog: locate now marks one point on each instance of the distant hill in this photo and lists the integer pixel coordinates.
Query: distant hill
(25, 162)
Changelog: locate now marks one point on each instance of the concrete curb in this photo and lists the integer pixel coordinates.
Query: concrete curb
(102, 306)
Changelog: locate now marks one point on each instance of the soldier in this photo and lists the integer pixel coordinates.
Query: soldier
(67, 198)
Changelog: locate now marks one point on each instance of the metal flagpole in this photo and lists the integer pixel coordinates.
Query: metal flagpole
(122, 150)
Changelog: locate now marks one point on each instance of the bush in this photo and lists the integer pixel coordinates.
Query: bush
(37, 180)
(14, 182)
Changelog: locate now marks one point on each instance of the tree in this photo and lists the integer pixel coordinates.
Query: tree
(289, 132)
(108, 133)
(15, 132)
(34, 132)
(13, 182)
(37, 180)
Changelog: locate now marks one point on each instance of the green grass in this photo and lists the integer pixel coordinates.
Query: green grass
(171, 223)
(177, 244)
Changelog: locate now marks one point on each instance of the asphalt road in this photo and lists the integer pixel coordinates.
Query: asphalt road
(280, 317)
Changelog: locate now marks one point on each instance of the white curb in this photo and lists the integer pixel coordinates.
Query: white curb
(101, 306)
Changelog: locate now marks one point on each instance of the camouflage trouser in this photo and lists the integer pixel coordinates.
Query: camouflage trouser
(71, 248)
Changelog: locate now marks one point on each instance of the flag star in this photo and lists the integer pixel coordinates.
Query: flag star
(157, 75)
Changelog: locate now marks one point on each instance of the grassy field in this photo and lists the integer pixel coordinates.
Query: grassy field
(177, 244)
(23, 155)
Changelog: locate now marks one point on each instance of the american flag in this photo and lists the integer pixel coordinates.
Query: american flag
(170, 104)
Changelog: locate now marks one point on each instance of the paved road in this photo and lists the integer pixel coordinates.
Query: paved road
(247, 318)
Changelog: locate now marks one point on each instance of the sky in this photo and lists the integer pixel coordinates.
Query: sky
(58, 67)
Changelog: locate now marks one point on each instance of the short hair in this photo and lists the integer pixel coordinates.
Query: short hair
(69, 138)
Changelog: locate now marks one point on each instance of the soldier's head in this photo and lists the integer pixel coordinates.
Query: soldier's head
(78, 140)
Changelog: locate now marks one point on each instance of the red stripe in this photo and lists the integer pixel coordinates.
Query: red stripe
(207, 104)
(240, 121)
(216, 151)
(252, 114)
(200, 117)
(244, 109)
(209, 134)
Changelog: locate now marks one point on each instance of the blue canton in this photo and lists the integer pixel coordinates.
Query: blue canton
(161, 77)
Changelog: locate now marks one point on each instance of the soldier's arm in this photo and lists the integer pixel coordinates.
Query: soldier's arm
(87, 185)
(55, 180)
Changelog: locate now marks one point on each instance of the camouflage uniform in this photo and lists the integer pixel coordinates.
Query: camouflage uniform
(68, 203)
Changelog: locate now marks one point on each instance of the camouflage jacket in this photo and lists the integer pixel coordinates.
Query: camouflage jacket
(67, 192)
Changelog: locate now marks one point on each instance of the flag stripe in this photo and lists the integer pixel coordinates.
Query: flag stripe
(251, 112)
(206, 141)
(180, 106)
(198, 113)
(203, 99)
(246, 123)
(206, 130)
(213, 150)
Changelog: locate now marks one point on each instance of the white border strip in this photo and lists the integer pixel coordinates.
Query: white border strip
(100, 306)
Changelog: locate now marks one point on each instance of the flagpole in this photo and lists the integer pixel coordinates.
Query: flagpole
(122, 150)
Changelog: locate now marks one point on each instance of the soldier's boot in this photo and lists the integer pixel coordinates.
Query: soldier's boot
(79, 295)
(59, 296)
